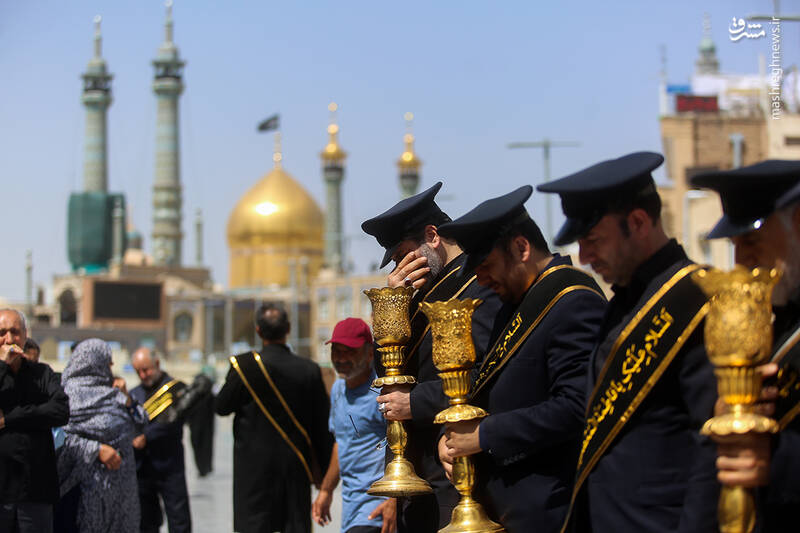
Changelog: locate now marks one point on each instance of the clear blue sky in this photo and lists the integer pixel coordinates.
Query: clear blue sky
(477, 75)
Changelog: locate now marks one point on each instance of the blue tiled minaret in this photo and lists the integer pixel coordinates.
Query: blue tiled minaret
(168, 86)
(96, 98)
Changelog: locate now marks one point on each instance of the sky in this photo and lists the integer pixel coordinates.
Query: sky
(476, 75)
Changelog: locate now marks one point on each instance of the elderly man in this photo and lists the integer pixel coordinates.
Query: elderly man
(32, 402)
(160, 469)
(281, 436)
(357, 426)
(643, 465)
(761, 217)
(438, 269)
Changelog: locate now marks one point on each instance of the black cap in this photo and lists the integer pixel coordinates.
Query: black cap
(406, 217)
(590, 194)
(749, 194)
(479, 230)
(792, 195)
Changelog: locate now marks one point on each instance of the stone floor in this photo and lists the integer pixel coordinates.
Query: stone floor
(211, 497)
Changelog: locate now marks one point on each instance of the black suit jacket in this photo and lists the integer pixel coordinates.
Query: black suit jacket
(33, 402)
(659, 474)
(780, 501)
(423, 514)
(536, 403)
(263, 464)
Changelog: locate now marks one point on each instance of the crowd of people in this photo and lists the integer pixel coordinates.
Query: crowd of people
(78, 452)
(594, 405)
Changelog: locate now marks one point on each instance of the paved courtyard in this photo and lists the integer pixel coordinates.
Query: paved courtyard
(211, 497)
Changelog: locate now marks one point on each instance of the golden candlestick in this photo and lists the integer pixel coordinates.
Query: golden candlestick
(454, 356)
(391, 328)
(738, 338)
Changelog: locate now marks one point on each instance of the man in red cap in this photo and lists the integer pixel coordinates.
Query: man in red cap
(357, 427)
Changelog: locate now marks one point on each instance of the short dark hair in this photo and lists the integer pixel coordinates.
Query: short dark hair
(31, 344)
(649, 203)
(272, 322)
(417, 234)
(528, 229)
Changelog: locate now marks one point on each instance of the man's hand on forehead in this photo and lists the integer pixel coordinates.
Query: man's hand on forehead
(410, 271)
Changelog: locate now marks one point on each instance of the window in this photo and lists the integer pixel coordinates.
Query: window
(183, 327)
(344, 303)
(323, 305)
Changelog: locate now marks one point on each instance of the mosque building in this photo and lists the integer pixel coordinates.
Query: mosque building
(718, 121)
(283, 248)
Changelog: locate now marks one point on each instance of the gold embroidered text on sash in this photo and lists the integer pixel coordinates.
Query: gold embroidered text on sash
(639, 357)
(537, 303)
(787, 406)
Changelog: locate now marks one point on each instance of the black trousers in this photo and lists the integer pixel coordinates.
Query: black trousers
(171, 487)
(26, 517)
(280, 504)
(364, 529)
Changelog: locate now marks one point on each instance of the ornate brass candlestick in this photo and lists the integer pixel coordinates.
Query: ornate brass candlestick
(391, 328)
(738, 338)
(454, 356)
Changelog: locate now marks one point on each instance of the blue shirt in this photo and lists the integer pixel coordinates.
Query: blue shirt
(358, 427)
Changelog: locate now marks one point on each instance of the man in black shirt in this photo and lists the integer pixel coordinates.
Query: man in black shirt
(643, 465)
(761, 216)
(280, 431)
(160, 468)
(436, 267)
(32, 402)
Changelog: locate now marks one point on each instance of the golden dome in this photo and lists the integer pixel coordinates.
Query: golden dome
(275, 224)
(333, 153)
(409, 162)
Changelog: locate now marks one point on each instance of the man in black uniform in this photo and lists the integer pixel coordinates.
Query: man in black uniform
(433, 265)
(160, 467)
(280, 431)
(761, 216)
(533, 380)
(643, 465)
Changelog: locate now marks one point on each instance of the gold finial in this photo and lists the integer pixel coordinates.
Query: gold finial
(408, 159)
(277, 156)
(98, 38)
(333, 153)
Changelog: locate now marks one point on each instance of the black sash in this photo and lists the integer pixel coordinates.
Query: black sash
(163, 398)
(447, 288)
(787, 356)
(552, 285)
(271, 402)
(638, 358)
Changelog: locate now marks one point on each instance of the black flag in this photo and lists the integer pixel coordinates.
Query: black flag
(272, 123)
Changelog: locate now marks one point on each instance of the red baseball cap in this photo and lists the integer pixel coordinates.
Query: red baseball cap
(352, 332)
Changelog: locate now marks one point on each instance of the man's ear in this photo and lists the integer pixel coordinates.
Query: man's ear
(432, 236)
(521, 248)
(639, 222)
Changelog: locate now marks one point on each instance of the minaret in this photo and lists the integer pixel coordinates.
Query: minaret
(168, 86)
(409, 163)
(707, 63)
(96, 97)
(333, 173)
(198, 232)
